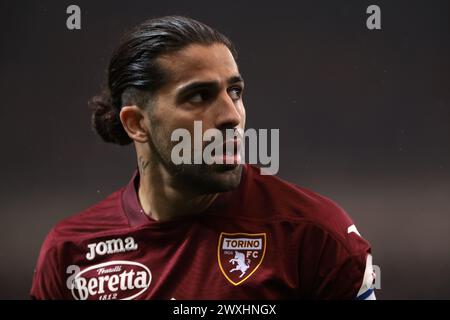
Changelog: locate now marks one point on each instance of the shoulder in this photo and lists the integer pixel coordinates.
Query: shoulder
(104, 216)
(335, 259)
(285, 201)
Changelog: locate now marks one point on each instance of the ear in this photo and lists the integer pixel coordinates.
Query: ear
(133, 121)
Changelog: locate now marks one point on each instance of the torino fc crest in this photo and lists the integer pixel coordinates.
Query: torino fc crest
(240, 254)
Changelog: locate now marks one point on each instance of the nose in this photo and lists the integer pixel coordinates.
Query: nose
(227, 113)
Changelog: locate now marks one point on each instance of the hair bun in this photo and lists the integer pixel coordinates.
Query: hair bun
(106, 121)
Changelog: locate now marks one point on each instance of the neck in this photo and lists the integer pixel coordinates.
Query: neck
(162, 198)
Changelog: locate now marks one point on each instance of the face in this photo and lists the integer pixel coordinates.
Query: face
(204, 85)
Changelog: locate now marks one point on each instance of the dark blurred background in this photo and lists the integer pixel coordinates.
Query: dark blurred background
(364, 118)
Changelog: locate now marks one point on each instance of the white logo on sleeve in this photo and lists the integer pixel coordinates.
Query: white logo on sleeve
(110, 246)
(353, 229)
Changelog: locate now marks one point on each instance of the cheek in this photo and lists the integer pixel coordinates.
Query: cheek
(163, 118)
(170, 124)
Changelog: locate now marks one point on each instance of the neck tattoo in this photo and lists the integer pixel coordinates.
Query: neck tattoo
(143, 165)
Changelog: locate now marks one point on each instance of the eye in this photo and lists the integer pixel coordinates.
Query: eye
(235, 93)
(197, 98)
(200, 96)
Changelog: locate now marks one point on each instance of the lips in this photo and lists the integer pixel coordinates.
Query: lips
(231, 147)
(231, 152)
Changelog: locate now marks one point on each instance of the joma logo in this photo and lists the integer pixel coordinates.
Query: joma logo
(110, 246)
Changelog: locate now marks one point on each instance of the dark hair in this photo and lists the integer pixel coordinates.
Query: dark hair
(134, 74)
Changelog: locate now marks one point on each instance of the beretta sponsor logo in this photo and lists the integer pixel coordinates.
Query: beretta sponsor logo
(121, 280)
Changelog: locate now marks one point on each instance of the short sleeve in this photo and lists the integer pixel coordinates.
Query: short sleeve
(46, 283)
(345, 273)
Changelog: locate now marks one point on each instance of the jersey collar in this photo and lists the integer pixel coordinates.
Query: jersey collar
(136, 215)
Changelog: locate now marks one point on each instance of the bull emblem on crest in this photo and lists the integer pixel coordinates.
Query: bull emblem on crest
(241, 264)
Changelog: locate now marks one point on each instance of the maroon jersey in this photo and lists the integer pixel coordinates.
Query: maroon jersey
(267, 239)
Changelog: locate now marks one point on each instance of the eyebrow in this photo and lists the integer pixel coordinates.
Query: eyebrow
(206, 84)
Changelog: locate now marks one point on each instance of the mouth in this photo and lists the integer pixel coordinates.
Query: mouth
(230, 155)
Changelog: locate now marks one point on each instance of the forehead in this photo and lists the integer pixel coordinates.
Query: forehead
(199, 63)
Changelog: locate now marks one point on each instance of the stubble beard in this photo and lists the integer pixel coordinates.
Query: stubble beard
(198, 178)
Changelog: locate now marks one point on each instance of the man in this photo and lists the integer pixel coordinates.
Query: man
(195, 231)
